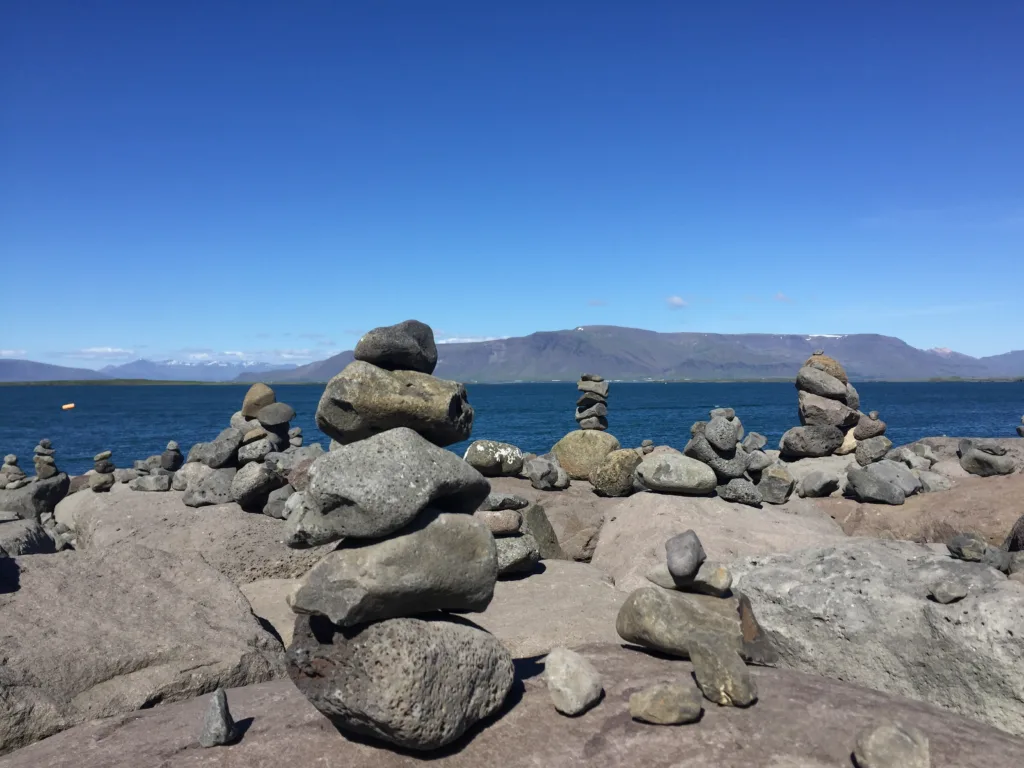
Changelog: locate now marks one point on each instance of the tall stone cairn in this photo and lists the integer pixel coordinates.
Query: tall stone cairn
(592, 406)
(374, 648)
(831, 422)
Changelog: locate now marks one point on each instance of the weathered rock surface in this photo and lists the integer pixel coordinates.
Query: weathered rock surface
(776, 484)
(676, 474)
(983, 464)
(667, 704)
(493, 459)
(24, 537)
(378, 485)
(800, 721)
(242, 546)
(891, 745)
(252, 485)
(817, 411)
(268, 599)
(897, 474)
(614, 476)
(151, 483)
(632, 539)
(258, 396)
(573, 682)
(819, 382)
(722, 675)
(546, 474)
(33, 500)
(740, 491)
(583, 450)
(218, 726)
(418, 684)
(517, 554)
(96, 634)
(406, 346)
(364, 400)
(802, 442)
(211, 488)
(860, 611)
(440, 562)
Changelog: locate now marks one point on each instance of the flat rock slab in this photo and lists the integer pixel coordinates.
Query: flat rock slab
(269, 601)
(633, 538)
(945, 448)
(241, 545)
(565, 604)
(95, 634)
(800, 721)
(988, 506)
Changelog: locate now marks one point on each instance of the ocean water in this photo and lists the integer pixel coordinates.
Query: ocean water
(137, 421)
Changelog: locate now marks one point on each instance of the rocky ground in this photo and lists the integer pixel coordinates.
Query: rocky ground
(718, 604)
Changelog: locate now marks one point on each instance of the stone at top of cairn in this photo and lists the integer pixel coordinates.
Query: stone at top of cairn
(406, 346)
(592, 407)
(258, 397)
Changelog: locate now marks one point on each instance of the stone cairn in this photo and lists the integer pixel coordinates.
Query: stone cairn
(1020, 429)
(592, 406)
(692, 613)
(402, 507)
(46, 465)
(12, 477)
(103, 478)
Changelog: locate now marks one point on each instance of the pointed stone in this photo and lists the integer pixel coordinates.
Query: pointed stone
(218, 726)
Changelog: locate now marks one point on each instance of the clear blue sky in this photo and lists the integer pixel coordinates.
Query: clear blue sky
(273, 178)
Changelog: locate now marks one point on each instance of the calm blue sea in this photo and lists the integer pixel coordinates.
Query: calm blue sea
(135, 422)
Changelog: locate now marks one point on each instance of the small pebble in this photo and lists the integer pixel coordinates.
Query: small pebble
(573, 683)
(946, 592)
(218, 725)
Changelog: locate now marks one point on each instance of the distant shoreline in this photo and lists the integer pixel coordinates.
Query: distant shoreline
(167, 383)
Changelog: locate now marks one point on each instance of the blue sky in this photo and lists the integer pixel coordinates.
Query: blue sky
(268, 180)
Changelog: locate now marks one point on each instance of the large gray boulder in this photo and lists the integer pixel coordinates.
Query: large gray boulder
(870, 487)
(818, 411)
(493, 459)
(418, 684)
(984, 464)
(252, 485)
(364, 400)
(804, 442)
(221, 452)
(859, 611)
(35, 499)
(675, 473)
(208, 489)
(406, 346)
(378, 485)
(818, 382)
(24, 537)
(897, 474)
(95, 634)
(442, 562)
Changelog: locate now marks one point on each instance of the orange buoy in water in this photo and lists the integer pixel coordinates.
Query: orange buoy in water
(67, 406)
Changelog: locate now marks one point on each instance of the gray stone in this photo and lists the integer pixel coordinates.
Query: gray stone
(817, 382)
(852, 397)
(258, 396)
(45, 471)
(275, 506)
(34, 499)
(275, 415)
(210, 488)
(721, 434)
(871, 488)
(171, 460)
(725, 413)
(674, 473)
(684, 555)
(493, 459)
(151, 483)
(191, 472)
(497, 501)
(710, 579)
(516, 554)
(220, 453)
(868, 427)
(364, 400)
(24, 537)
(172, 445)
(818, 605)
(740, 491)
(599, 388)
(754, 441)
(252, 484)
(897, 474)
(998, 559)
(594, 422)
(127, 475)
(537, 525)
(758, 462)
(891, 745)
(1015, 541)
(803, 442)
(289, 461)
(45, 443)
(776, 484)
(983, 464)
(102, 456)
(933, 482)
(871, 450)
(588, 399)
(967, 546)
(985, 445)
(258, 450)
(11, 460)
(41, 451)
(573, 682)
(295, 432)
(595, 377)
(441, 562)
(295, 442)
(817, 484)
(104, 466)
(595, 410)
(218, 725)
(721, 674)
(546, 474)
(666, 704)
(378, 485)
(908, 458)
(100, 483)
(614, 476)
(406, 346)
(946, 592)
(817, 411)
(436, 679)
(504, 522)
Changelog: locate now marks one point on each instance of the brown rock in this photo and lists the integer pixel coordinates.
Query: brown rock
(829, 365)
(258, 396)
(721, 674)
(614, 476)
(800, 720)
(583, 450)
(666, 704)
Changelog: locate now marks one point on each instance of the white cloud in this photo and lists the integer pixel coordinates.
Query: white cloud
(101, 353)
(199, 356)
(233, 354)
(469, 339)
(12, 352)
(676, 302)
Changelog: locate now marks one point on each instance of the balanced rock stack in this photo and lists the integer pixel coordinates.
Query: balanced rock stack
(374, 648)
(46, 465)
(518, 551)
(691, 613)
(251, 462)
(12, 476)
(592, 406)
(830, 420)
(103, 478)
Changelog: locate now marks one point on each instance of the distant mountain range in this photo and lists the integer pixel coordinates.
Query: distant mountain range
(614, 352)
(192, 370)
(634, 354)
